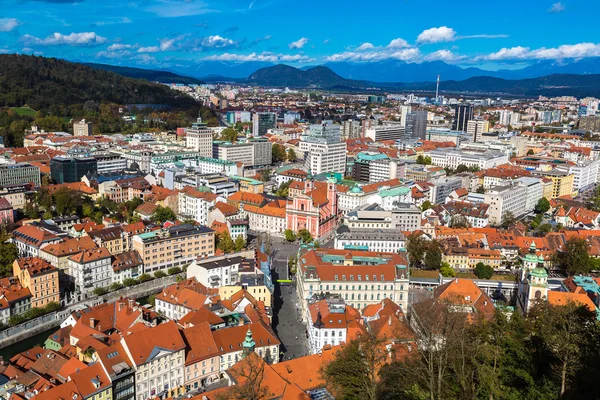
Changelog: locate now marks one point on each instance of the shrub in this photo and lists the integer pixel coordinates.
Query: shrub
(145, 278)
(174, 270)
(129, 282)
(100, 291)
(160, 274)
(447, 271)
(116, 286)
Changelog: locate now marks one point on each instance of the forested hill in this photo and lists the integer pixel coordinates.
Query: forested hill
(148, 74)
(40, 82)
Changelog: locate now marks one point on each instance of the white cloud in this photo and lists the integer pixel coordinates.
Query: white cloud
(73, 39)
(409, 54)
(216, 42)
(251, 5)
(365, 46)
(8, 24)
(437, 35)
(398, 43)
(298, 44)
(577, 51)
(264, 56)
(556, 8)
(119, 46)
(113, 21)
(326, 41)
(443, 55)
(165, 45)
(179, 8)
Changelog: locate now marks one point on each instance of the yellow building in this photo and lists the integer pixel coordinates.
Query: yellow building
(40, 277)
(259, 292)
(562, 182)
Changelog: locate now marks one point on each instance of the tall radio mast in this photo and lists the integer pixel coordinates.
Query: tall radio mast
(437, 90)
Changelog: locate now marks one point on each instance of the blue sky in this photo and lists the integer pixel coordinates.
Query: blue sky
(163, 33)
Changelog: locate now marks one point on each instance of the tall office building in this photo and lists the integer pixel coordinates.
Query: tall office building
(351, 129)
(404, 111)
(416, 125)
(477, 128)
(72, 169)
(82, 128)
(262, 122)
(323, 149)
(200, 138)
(463, 113)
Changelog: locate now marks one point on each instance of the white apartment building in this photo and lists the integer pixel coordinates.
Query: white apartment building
(209, 165)
(585, 173)
(234, 152)
(385, 241)
(503, 199)
(158, 354)
(351, 129)
(200, 138)
(216, 271)
(453, 158)
(385, 169)
(107, 163)
(91, 269)
(266, 219)
(535, 191)
(386, 132)
(328, 323)
(195, 204)
(323, 149)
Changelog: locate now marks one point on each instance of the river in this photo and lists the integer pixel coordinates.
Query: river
(26, 344)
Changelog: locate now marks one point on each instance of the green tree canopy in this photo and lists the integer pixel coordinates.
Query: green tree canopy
(483, 271)
(574, 259)
(163, 214)
(542, 206)
(290, 236)
(229, 135)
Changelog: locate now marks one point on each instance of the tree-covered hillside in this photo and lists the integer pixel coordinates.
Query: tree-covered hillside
(40, 82)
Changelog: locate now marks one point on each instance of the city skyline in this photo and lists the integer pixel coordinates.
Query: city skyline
(166, 33)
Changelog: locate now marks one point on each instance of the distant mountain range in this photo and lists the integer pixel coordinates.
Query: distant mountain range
(147, 74)
(577, 78)
(323, 77)
(398, 71)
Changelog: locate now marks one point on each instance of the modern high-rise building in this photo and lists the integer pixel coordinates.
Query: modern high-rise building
(290, 118)
(351, 129)
(463, 113)
(386, 132)
(82, 128)
(200, 138)
(404, 111)
(416, 125)
(19, 174)
(476, 128)
(262, 122)
(72, 169)
(323, 149)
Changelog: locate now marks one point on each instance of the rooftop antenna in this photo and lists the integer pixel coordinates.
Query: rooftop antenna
(437, 90)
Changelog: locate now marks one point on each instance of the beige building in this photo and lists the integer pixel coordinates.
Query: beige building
(114, 239)
(176, 246)
(360, 278)
(82, 128)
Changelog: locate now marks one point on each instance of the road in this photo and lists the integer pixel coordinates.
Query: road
(286, 318)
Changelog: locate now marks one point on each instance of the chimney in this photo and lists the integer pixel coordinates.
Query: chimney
(131, 302)
(390, 320)
(92, 322)
(121, 304)
(456, 280)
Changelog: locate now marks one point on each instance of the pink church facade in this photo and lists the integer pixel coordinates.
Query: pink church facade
(315, 209)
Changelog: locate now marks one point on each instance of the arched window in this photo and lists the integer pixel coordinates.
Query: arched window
(302, 207)
(538, 294)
